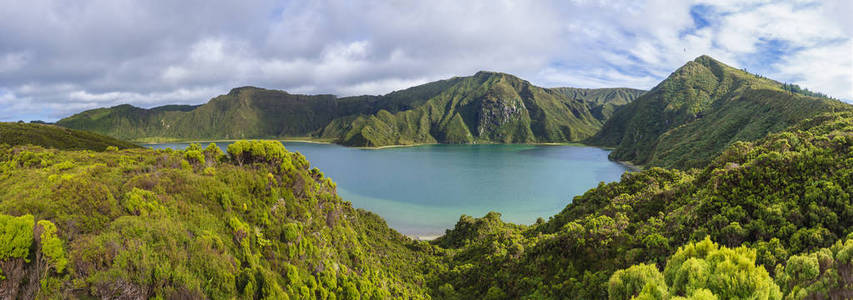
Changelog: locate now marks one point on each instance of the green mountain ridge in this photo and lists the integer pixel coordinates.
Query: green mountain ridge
(683, 122)
(701, 108)
(418, 114)
(487, 107)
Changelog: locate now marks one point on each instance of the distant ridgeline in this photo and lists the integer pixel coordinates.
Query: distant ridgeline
(50, 136)
(487, 107)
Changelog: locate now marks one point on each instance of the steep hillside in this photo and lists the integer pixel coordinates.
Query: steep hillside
(484, 108)
(603, 102)
(420, 114)
(699, 110)
(50, 136)
(781, 197)
(139, 224)
(243, 112)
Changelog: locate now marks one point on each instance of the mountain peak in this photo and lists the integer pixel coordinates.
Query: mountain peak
(491, 75)
(708, 61)
(238, 90)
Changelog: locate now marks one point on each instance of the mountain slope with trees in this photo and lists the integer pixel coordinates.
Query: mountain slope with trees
(700, 109)
(415, 115)
(487, 107)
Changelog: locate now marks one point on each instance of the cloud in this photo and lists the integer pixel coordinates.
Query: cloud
(60, 57)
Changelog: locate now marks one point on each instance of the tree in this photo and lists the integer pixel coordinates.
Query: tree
(52, 254)
(702, 270)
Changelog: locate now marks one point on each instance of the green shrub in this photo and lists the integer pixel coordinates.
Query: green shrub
(16, 236)
(52, 247)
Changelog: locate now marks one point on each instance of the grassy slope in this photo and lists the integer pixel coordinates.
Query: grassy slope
(700, 109)
(50, 136)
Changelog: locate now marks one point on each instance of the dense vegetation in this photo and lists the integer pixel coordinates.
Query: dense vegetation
(486, 107)
(256, 223)
(699, 110)
(782, 197)
(57, 137)
(766, 213)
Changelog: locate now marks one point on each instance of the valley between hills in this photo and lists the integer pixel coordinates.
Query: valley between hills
(744, 193)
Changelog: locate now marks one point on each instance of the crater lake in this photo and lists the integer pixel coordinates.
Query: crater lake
(423, 190)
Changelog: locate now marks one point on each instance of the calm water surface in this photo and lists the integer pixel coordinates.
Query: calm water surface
(421, 191)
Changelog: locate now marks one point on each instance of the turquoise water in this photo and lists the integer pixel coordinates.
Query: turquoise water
(423, 190)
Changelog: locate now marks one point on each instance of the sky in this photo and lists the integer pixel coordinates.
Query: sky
(61, 57)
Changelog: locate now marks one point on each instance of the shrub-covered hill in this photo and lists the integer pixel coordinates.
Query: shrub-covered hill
(135, 224)
(699, 110)
(783, 197)
(492, 107)
(50, 136)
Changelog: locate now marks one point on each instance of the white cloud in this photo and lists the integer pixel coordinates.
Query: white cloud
(13, 61)
(58, 57)
(812, 69)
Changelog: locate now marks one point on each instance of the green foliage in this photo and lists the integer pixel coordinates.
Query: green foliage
(16, 236)
(52, 246)
(272, 229)
(783, 195)
(637, 280)
(823, 273)
(726, 273)
(195, 157)
(700, 270)
(213, 153)
(143, 203)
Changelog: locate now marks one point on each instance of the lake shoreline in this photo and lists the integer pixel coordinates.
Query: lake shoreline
(632, 167)
(524, 181)
(331, 142)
